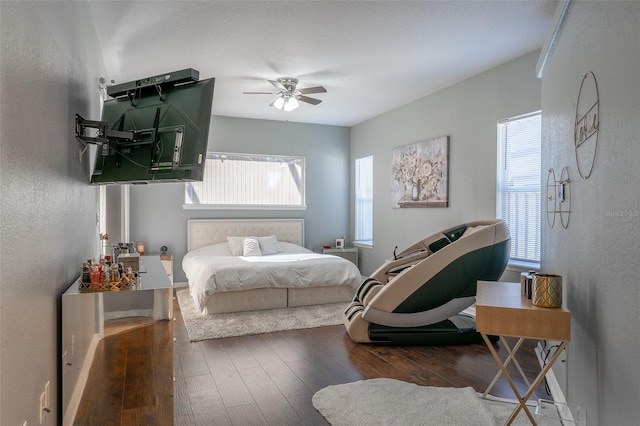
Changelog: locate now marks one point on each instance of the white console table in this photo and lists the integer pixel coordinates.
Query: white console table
(83, 327)
(153, 277)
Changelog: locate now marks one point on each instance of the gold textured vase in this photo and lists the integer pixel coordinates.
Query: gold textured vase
(547, 290)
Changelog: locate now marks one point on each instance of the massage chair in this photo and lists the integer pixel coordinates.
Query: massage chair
(417, 297)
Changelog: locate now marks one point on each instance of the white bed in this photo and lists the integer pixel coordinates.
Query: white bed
(222, 279)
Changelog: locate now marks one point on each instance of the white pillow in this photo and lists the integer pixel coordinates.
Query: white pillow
(269, 245)
(236, 245)
(251, 247)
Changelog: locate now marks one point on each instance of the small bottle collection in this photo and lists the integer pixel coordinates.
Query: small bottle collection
(104, 275)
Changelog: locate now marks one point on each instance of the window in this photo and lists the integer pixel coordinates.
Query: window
(518, 184)
(248, 181)
(364, 201)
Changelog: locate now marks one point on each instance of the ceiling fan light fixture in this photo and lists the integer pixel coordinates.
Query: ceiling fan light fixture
(290, 104)
(288, 96)
(279, 103)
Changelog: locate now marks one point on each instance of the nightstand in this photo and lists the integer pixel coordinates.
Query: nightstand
(349, 253)
(501, 310)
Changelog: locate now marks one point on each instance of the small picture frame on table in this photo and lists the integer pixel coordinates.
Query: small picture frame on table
(340, 243)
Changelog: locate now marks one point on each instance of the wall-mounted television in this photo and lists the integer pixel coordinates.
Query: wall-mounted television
(153, 130)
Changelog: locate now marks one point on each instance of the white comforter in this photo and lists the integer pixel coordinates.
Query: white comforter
(213, 269)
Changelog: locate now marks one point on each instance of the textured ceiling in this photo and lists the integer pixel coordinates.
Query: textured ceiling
(370, 56)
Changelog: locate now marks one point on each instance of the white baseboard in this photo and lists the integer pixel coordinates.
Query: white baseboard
(78, 389)
(554, 386)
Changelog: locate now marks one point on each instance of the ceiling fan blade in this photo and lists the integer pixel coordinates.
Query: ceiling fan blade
(258, 93)
(277, 85)
(309, 100)
(316, 89)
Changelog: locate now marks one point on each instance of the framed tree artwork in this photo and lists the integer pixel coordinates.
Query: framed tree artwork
(419, 174)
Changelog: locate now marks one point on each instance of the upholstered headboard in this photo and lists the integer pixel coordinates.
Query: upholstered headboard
(203, 232)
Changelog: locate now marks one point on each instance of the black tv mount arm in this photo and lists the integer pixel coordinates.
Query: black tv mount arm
(103, 133)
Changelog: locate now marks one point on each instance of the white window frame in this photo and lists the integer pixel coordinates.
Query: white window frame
(518, 187)
(363, 198)
(214, 157)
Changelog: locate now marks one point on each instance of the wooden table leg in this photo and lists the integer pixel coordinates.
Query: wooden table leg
(539, 378)
(521, 401)
(510, 357)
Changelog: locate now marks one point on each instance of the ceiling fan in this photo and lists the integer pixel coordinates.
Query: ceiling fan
(289, 95)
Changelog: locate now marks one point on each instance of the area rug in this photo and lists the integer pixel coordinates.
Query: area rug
(218, 326)
(389, 401)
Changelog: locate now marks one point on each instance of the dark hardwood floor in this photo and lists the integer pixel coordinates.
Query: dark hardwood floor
(131, 378)
(266, 379)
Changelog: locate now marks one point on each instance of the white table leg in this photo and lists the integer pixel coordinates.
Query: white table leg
(162, 304)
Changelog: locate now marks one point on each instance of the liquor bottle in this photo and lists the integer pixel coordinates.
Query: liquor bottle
(86, 274)
(95, 274)
(105, 278)
(115, 275)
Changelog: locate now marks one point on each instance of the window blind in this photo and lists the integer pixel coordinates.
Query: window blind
(249, 180)
(519, 182)
(364, 200)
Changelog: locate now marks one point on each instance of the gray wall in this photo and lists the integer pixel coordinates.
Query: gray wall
(466, 112)
(50, 63)
(157, 216)
(597, 254)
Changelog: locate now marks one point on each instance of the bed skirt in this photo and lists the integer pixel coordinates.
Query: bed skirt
(274, 298)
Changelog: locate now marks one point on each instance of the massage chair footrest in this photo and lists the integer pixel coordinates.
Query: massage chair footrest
(458, 330)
